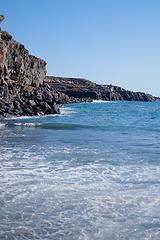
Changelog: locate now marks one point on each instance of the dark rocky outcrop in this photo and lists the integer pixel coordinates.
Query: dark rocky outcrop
(22, 89)
(25, 90)
(81, 90)
(19, 71)
(1, 18)
(25, 107)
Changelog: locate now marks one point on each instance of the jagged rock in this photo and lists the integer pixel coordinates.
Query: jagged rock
(16, 104)
(72, 90)
(1, 18)
(38, 111)
(54, 108)
(28, 110)
(7, 115)
(6, 36)
(32, 103)
(19, 71)
(44, 107)
(27, 107)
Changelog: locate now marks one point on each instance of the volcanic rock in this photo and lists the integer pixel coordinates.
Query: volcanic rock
(72, 90)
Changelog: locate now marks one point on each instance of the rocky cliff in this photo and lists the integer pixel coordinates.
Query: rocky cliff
(81, 90)
(21, 80)
(18, 69)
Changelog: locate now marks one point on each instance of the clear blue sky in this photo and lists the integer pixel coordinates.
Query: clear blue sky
(106, 41)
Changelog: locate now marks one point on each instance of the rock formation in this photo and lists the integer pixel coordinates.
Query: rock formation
(82, 90)
(17, 67)
(1, 18)
(21, 80)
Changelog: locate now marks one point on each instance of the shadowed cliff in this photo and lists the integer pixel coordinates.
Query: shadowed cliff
(80, 90)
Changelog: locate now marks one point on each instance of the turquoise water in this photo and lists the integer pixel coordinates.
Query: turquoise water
(91, 173)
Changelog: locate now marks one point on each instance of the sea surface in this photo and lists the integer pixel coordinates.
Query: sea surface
(91, 173)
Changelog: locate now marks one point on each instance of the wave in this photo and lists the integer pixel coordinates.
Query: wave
(54, 126)
(100, 101)
(103, 101)
(70, 126)
(67, 111)
(63, 126)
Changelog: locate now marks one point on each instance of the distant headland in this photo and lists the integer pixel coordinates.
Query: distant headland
(25, 90)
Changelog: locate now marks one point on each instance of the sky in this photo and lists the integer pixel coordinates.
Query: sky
(105, 41)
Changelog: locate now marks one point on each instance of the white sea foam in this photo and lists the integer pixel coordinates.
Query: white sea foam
(67, 111)
(104, 101)
(100, 101)
(83, 199)
(25, 124)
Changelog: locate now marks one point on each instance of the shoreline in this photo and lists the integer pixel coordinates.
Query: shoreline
(29, 108)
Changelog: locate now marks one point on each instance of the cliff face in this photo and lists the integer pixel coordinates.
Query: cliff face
(18, 69)
(80, 90)
(22, 88)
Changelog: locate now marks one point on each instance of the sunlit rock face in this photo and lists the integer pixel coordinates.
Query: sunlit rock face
(18, 69)
(22, 88)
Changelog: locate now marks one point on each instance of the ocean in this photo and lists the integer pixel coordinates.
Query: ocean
(91, 173)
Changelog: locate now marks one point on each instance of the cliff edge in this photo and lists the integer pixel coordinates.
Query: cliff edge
(82, 90)
(22, 89)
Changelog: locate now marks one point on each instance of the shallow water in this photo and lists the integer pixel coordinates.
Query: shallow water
(91, 173)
